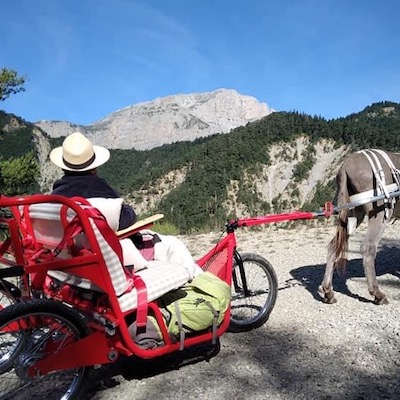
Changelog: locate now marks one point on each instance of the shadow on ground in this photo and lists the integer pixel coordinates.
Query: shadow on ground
(387, 262)
(136, 368)
(262, 363)
(286, 363)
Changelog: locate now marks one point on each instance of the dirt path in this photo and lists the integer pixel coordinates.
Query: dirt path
(307, 349)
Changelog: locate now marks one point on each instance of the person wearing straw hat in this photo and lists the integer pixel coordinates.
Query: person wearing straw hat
(79, 159)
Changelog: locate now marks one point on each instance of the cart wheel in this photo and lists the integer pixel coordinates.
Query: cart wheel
(251, 308)
(28, 332)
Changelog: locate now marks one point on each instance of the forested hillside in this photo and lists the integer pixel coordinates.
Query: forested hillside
(284, 161)
(19, 169)
(192, 180)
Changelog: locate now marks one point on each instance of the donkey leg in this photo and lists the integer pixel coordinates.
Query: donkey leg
(325, 290)
(340, 242)
(369, 249)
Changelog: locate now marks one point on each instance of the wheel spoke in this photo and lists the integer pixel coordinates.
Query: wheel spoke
(251, 309)
(28, 333)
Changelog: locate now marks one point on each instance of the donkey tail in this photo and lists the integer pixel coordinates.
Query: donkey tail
(339, 244)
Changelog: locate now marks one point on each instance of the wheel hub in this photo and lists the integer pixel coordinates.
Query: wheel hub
(23, 363)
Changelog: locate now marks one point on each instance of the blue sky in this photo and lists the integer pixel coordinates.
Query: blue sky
(84, 59)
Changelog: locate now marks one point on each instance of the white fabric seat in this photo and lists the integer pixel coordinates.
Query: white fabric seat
(159, 277)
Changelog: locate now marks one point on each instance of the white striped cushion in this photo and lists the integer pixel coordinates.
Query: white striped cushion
(114, 266)
(160, 277)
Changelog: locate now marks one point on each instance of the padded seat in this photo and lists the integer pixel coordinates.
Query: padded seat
(159, 277)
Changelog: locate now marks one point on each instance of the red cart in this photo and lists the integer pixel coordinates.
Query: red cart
(67, 302)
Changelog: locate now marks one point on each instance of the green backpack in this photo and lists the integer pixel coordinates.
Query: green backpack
(199, 305)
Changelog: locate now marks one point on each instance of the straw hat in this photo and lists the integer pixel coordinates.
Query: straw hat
(77, 153)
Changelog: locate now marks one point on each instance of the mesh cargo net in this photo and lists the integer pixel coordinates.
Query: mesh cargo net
(216, 263)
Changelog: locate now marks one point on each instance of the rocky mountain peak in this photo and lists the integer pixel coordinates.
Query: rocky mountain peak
(167, 120)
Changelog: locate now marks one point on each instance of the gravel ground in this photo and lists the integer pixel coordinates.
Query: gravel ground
(307, 349)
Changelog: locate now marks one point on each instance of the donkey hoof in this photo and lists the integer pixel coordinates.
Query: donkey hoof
(381, 301)
(327, 297)
(330, 300)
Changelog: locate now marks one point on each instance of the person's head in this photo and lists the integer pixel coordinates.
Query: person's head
(78, 155)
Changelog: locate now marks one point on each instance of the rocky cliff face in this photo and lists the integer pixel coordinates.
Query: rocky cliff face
(48, 171)
(167, 120)
(275, 185)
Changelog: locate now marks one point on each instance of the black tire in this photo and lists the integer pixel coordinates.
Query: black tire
(23, 341)
(252, 310)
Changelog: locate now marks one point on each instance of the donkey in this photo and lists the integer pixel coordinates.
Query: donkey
(364, 175)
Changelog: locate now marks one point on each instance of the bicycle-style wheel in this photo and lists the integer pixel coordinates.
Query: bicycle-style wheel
(254, 292)
(29, 331)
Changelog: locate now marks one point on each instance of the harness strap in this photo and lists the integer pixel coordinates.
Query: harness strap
(180, 326)
(25, 225)
(142, 305)
(215, 322)
(395, 172)
(376, 169)
(379, 173)
(71, 230)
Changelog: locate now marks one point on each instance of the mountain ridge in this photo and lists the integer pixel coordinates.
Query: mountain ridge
(166, 120)
(282, 162)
